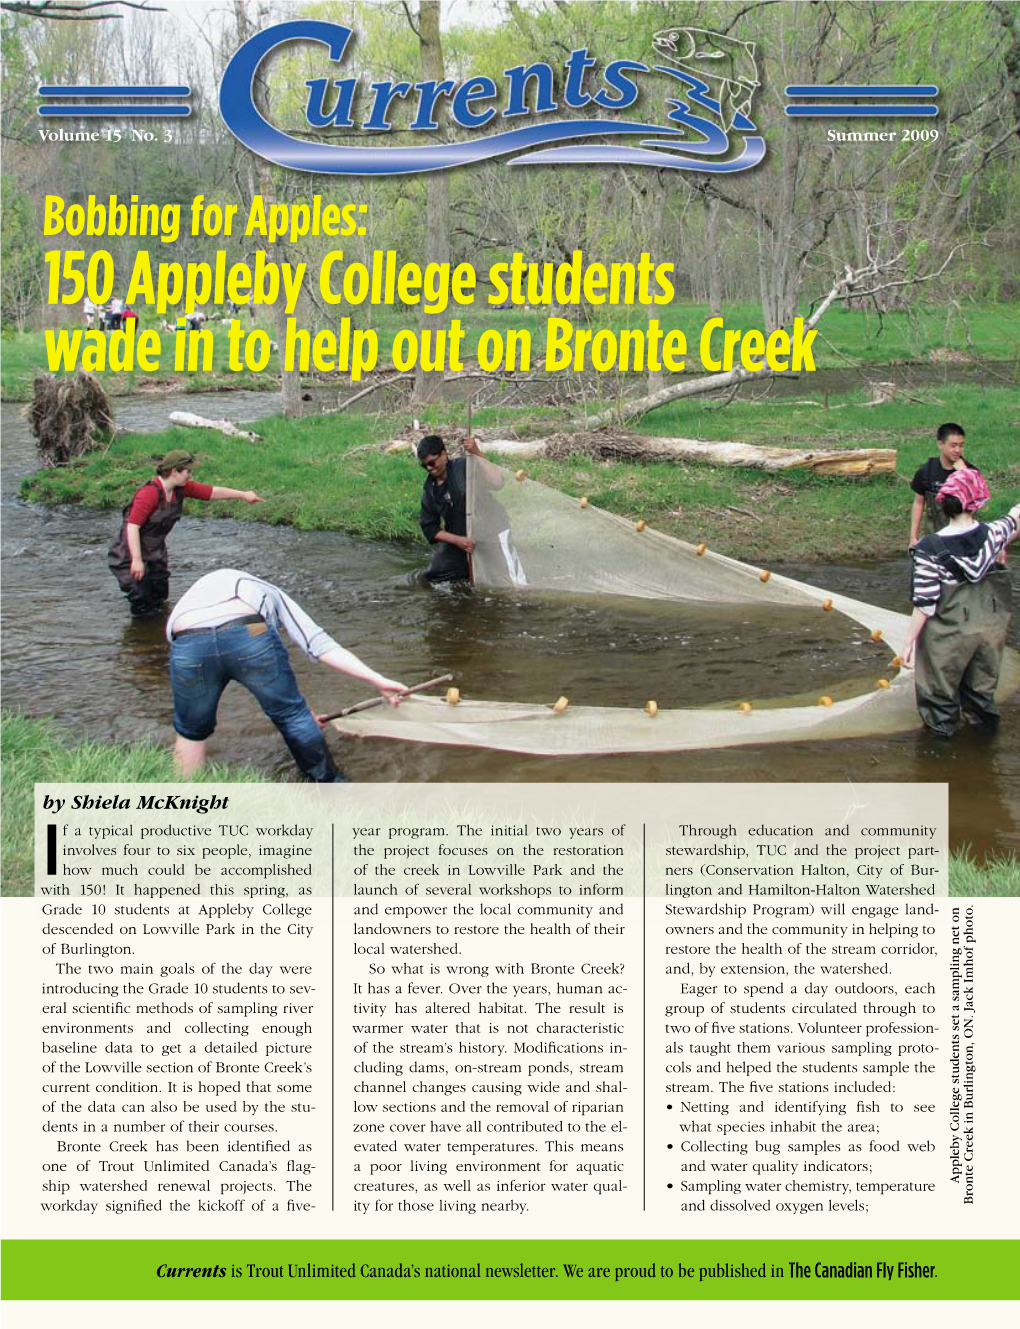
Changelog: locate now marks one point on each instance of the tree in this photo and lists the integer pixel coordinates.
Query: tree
(875, 276)
(260, 174)
(21, 256)
(428, 384)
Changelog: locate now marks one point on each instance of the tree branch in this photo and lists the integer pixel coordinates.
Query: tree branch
(410, 20)
(67, 11)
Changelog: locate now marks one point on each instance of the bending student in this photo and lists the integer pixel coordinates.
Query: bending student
(225, 628)
(961, 609)
(138, 555)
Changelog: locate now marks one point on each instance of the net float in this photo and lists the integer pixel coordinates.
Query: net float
(700, 550)
(561, 705)
(519, 475)
(826, 604)
(641, 525)
(764, 575)
(652, 708)
(824, 701)
(452, 696)
(882, 683)
(745, 707)
(876, 635)
(584, 502)
(896, 662)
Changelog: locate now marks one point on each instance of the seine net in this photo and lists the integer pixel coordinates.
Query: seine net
(535, 539)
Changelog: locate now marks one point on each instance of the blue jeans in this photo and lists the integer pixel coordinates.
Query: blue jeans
(252, 654)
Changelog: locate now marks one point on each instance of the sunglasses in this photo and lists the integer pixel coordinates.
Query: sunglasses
(430, 463)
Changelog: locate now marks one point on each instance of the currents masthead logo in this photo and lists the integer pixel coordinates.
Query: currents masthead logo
(706, 125)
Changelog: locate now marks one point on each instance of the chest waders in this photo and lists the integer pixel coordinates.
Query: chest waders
(932, 519)
(147, 596)
(959, 654)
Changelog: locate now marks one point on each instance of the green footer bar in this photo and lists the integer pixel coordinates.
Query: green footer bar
(561, 1270)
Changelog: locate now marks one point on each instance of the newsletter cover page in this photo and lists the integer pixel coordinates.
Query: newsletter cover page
(511, 731)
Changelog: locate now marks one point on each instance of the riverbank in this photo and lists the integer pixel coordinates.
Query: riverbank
(326, 473)
(38, 752)
(847, 339)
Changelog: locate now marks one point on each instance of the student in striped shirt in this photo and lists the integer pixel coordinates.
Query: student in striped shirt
(961, 609)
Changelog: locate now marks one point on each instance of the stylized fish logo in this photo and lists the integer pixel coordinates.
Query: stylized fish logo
(726, 66)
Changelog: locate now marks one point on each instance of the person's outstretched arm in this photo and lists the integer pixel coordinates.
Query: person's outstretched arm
(346, 662)
(245, 495)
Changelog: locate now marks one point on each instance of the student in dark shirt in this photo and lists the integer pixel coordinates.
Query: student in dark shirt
(961, 609)
(444, 519)
(925, 516)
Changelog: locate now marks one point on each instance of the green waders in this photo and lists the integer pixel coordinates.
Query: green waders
(932, 518)
(959, 654)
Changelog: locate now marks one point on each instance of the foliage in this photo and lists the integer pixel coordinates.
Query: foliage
(20, 256)
(776, 235)
(997, 876)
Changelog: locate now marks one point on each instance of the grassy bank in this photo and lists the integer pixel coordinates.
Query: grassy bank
(325, 472)
(36, 752)
(847, 338)
(997, 877)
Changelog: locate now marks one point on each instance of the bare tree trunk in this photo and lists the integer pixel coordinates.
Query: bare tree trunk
(712, 225)
(656, 238)
(428, 384)
(852, 280)
(290, 379)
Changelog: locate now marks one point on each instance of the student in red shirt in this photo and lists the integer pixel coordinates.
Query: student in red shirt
(138, 554)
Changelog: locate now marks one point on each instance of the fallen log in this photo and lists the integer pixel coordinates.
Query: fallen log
(186, 419)
(614, 446)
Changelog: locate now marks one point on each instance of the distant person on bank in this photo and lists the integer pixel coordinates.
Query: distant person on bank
(138, 555)
(226, 628)
(925, 514)
(961, 599)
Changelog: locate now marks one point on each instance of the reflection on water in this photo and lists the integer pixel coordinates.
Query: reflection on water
(70, 650)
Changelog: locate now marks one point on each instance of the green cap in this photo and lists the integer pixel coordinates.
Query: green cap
(175, 460)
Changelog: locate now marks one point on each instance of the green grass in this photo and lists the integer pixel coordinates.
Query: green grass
(998, 876)
(36, 752)
(847, 337)
(325, 472)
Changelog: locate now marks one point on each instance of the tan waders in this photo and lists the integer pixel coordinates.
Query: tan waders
(959, 654)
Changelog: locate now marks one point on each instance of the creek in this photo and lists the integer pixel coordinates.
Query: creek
(71, 652)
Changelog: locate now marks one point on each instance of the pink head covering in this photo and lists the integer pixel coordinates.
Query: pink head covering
(968, 486)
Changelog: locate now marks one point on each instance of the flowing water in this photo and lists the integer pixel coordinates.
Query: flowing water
(70, 651)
